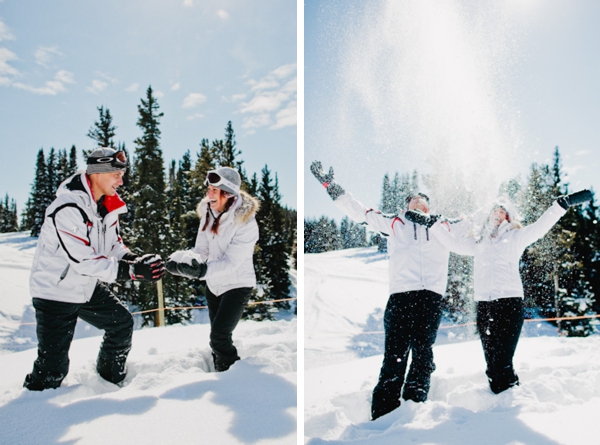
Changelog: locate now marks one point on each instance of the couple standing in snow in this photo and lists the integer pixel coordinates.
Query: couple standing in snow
(80, 248)
(419, 246)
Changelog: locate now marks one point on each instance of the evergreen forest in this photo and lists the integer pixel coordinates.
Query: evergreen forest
(560, 272)
(161, 200)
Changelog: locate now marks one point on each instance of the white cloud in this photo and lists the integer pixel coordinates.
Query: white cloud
(97, 86)
(64, 76)
(44, 55)
(287, 117)
(193, 100)
(188, 3)
(223, 15)
(176, 86)
(133, 87)
(158, 94)
(259, 120)
(194, 116)
(6, 56)
(265, 83)
(107, 77)
(5, 33)
(52, 87)
(284, 71)
(271, 104)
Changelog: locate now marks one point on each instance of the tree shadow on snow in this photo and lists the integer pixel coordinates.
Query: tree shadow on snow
(258, 400)
(372, 341)
(33, 417)
(461, 427)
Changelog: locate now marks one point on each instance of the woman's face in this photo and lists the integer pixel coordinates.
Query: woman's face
(217, 200)
(497, 217)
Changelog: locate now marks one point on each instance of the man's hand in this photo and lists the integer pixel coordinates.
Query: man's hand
(149, 267)
(326, 179)
(418, 217)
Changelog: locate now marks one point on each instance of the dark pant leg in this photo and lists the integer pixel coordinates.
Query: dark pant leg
(398, 326)
(499, 323)
(428, 315)
(225, 311)
(55, 328)
(105, 311)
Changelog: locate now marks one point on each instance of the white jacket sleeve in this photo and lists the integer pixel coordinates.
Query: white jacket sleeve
(118, 249)
(456, 244)
(72, 233)
(359, 213)
(201, 246)
(538, 229)
(237, 253)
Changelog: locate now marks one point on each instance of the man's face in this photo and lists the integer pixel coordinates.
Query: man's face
(418, 203)
(106, 183)
(216, 200)
(498, 216)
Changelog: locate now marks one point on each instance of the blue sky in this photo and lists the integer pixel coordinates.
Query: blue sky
(207, 61)
(484, 88)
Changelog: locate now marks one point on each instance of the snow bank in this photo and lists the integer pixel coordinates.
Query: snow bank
(556, 403)
(171, 393)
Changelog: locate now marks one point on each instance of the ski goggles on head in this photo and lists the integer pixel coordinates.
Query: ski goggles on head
(115, 160)
(409, 198)
(216, 180)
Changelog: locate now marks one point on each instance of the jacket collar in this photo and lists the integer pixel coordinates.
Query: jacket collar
(80, 183)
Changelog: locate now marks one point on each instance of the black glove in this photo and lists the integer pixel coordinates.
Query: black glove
(573, 199)
(192, 271)
(418, 217)
(326, 179)
(149, 267)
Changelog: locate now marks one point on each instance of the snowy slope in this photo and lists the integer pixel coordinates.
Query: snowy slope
(346, 292)
(170, 394)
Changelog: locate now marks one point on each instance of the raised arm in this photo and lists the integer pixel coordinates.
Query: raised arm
(350, 206)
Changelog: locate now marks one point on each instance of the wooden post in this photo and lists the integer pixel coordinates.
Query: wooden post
(160, 316)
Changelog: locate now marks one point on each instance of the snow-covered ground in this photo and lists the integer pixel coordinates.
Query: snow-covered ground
(346, 291)
(170, 394)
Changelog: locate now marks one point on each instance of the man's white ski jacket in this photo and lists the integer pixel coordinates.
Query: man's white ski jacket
(418, 261)
(497, 259)
(77, 247)
(228, 253)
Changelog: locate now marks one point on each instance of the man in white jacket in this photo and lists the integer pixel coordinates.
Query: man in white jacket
(418, 272)
(79, 249)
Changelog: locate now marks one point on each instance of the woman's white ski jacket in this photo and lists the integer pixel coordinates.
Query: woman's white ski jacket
(228, 253)
(497, 259)
(77, 247)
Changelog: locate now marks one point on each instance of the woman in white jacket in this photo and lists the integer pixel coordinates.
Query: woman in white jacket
(223, 257)
(497, 282)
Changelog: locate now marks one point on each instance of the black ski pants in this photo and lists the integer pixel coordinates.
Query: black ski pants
(411, 322)
(499, 324)
(55, 328)
(225, 311)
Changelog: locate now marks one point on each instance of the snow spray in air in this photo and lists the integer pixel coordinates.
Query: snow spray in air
(431, 80)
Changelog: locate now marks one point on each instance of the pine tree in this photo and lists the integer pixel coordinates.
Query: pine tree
(272, 257)
(149, 232)
(103, 131)
(8, 215)
(39, 196)
(321, 235)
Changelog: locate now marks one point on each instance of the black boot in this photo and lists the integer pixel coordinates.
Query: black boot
(386, 397)
(112, 369)
(223, 363)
